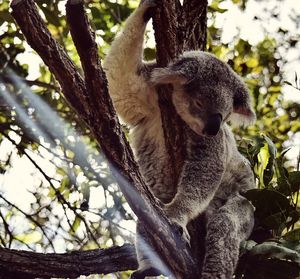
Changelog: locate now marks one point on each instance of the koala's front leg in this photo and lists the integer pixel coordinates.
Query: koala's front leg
(231, 224)
(127, 86)
(197, 186)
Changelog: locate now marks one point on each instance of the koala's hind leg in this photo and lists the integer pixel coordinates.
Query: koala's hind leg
(226, 228)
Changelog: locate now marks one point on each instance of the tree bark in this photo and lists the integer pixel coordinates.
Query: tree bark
(24, 264)
(89, 98)
(179, 28)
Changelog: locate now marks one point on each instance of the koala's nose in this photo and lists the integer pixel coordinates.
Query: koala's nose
(213, 124)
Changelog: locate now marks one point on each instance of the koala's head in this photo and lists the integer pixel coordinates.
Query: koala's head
(207, 92)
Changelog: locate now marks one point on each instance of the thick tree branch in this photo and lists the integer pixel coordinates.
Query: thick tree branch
(165, 18)
(16, 264)
(100, 116)
(84, 41)
(179, 28)
(165, 25)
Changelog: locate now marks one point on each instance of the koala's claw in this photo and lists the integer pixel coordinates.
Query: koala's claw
(147, 7)
(141, 274)
(184, 232)
(148, 3)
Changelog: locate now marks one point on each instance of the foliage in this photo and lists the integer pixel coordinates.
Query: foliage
(276, 200)
(73, 202)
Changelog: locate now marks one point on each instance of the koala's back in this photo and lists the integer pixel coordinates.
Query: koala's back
(149, 147)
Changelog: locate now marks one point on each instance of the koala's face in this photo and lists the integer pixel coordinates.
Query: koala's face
(203, 108)
(206, 93)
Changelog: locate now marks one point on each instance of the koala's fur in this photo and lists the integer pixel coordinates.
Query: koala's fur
(206, 94)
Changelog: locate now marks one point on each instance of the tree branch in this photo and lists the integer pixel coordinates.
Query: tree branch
(192, 25)
(16, 264)
(165, 24)
(100, 116)
(85, 44)
(179, 28)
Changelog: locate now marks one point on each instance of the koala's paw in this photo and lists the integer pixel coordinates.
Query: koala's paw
(142, 273)
(183, 231)
(147, 6)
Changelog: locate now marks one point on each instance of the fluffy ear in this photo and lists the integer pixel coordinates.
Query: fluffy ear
(166, 75)
(243, 113)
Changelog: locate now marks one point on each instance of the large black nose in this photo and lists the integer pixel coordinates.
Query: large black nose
(213, 124)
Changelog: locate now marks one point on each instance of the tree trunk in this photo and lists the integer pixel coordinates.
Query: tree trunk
(179, 28)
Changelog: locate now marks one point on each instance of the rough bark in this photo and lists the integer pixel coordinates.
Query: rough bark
(91, 102)
(24, 264)
(191, 32)
(165, 29)
(179, 28)
(85, 44)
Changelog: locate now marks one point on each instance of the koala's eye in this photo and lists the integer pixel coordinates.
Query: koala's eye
(198, 104)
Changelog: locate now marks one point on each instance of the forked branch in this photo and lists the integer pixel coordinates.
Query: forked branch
(91, 101)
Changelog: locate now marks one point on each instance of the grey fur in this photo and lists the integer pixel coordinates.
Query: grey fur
(214, 174)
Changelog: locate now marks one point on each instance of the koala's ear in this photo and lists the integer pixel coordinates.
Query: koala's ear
(166, 75)
(243, 113)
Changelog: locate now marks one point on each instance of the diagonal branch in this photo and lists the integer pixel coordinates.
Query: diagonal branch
(144, 206)
(99, 114)
(54, 56)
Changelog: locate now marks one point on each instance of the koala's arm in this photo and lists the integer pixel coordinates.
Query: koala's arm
(132, 96)
(200, 179)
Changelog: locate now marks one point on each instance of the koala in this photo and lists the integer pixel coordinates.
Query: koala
(207, 94)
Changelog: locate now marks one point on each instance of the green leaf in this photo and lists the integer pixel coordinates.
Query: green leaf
(272, 209)
(217, 9)
(149, 54)
(76, 224)
(292, 235)
(214, 7)
(30, 238)
(252, 62)
(5, 17)
(289, 184)
(275, 250)
(64, 184)
(269, 169)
